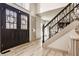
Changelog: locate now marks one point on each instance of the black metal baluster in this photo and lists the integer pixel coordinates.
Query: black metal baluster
(70, 14)
(43, 33)
(49, 32)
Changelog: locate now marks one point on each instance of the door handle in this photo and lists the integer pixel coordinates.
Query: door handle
(2, 27)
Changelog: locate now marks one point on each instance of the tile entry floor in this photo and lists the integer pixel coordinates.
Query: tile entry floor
(32, 49)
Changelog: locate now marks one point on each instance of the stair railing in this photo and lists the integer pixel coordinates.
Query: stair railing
(61, 20)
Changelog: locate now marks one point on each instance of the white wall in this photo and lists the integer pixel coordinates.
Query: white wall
(50, 14)
(24, 5)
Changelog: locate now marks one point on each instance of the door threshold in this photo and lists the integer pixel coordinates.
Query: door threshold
(6, 51)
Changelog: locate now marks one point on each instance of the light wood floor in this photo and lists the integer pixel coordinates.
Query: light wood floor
(32, 49)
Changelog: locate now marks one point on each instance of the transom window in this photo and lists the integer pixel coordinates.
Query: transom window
(11, 19)
(23, 22)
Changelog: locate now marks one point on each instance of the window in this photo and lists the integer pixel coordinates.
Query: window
(23, 22)
(11, 19)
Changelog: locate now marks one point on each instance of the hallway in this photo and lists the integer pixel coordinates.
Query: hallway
(32, 49)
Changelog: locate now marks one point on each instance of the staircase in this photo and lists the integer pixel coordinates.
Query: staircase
(60, 27)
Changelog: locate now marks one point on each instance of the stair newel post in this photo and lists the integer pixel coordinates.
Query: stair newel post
(43, 33)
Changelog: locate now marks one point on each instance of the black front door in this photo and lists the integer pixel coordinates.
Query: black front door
(14, 27)
(9, 31)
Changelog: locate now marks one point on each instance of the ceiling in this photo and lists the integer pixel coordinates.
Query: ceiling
(44, 7)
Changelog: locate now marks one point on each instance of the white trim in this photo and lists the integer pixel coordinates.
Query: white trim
(15, 5)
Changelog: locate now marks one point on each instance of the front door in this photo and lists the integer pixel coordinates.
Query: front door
(14, 27)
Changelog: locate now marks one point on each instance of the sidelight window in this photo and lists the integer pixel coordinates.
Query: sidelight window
(11, 19)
